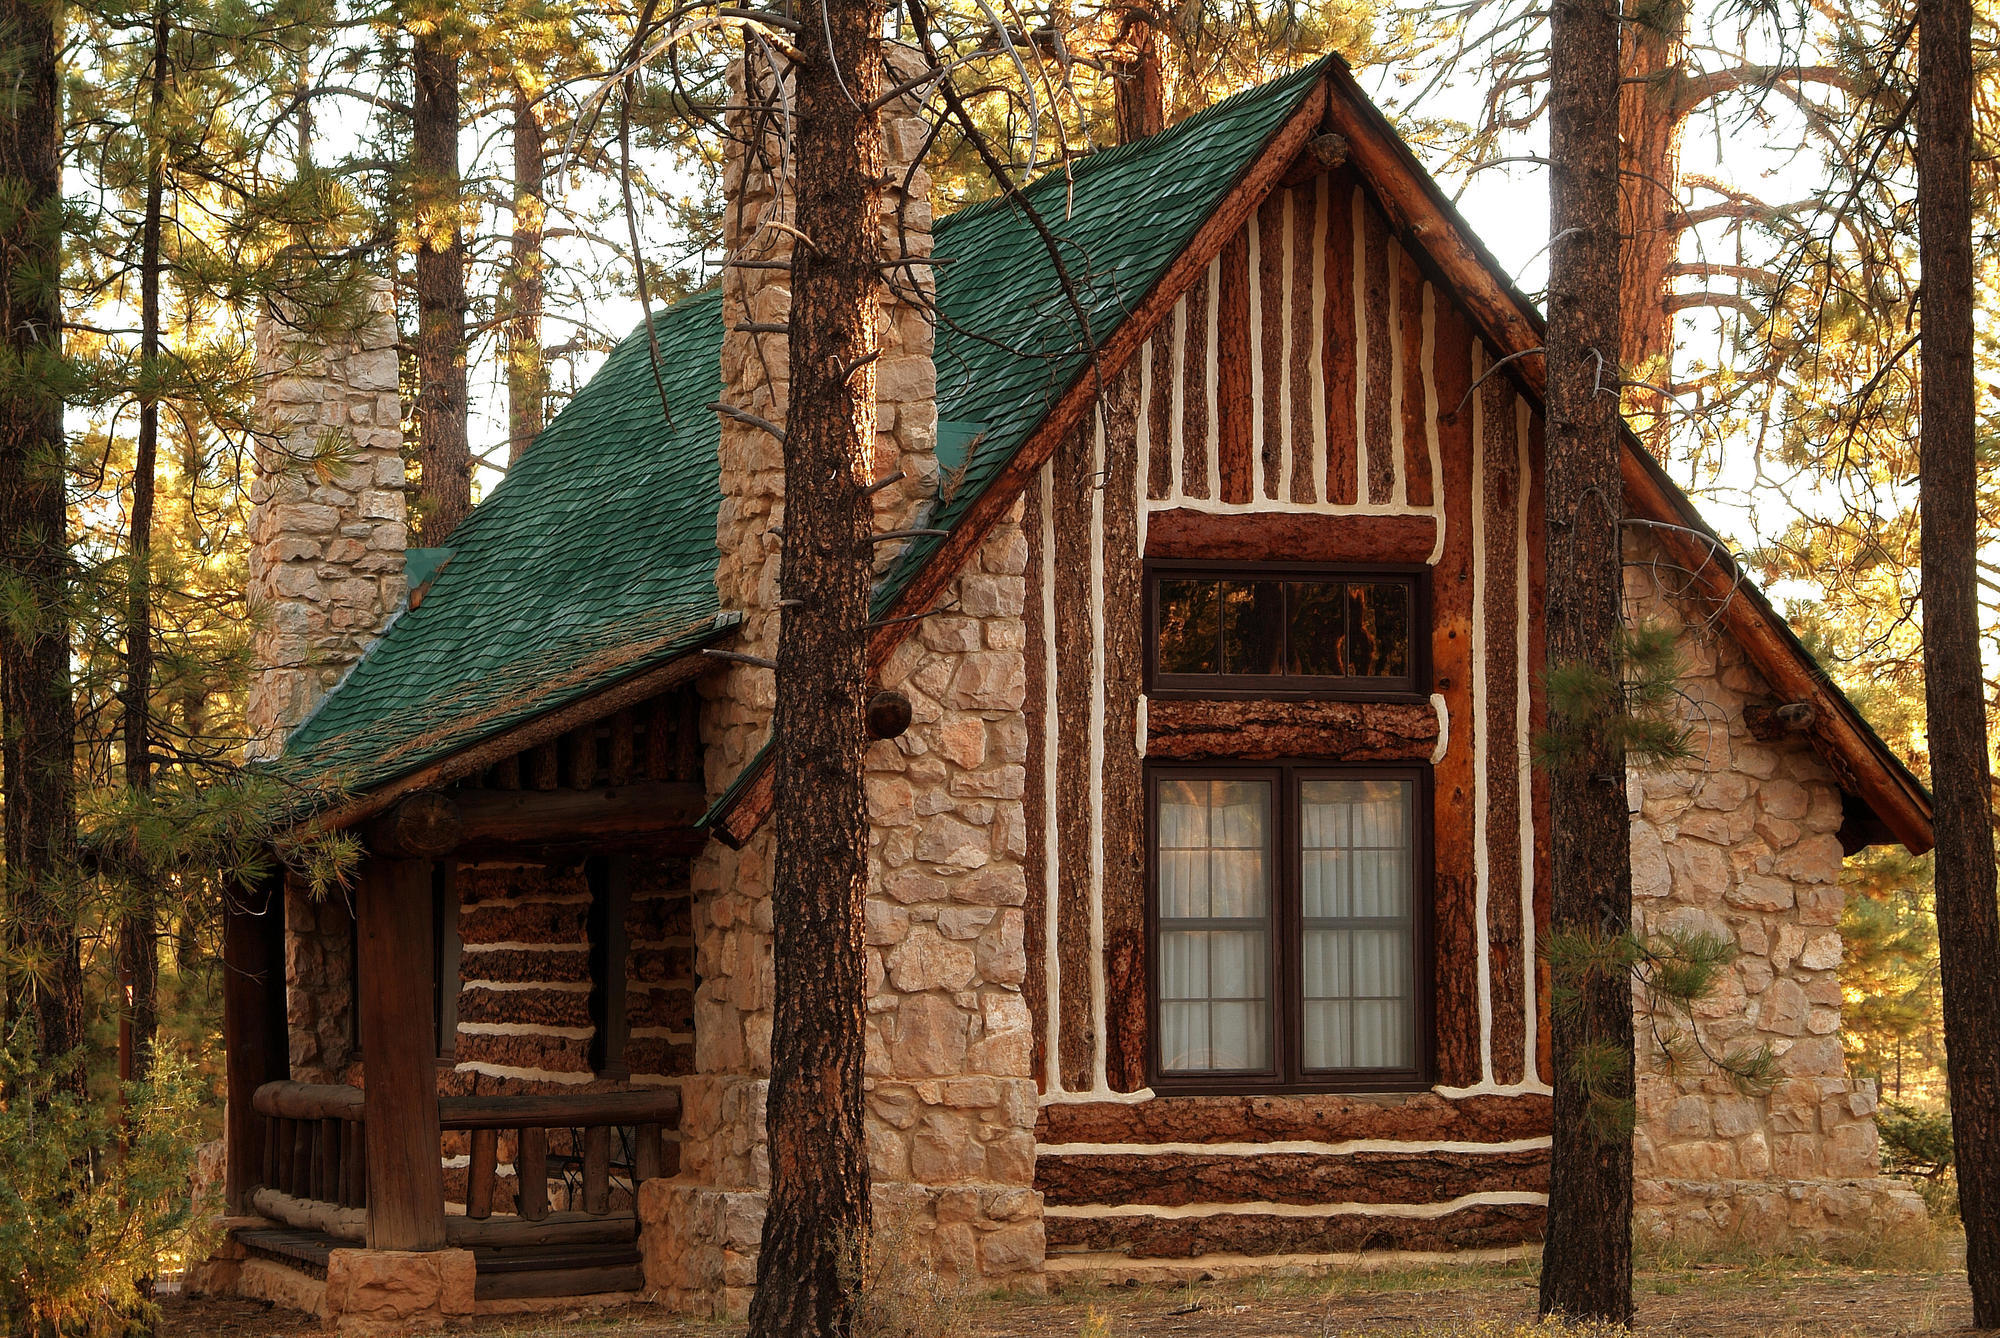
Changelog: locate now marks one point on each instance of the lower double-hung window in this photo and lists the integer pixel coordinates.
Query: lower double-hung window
(1289, 927)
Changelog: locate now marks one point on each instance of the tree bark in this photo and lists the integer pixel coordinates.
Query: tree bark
(139, 950)
(1138, 87)
(1587, 1257)
(444, 487)
(816, 1227)
(1650, 124)
(527, 375)
(1968, 918)
(35, 699)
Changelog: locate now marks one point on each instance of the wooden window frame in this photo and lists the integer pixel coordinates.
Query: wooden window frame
(1416, 577)
(446, 951)
(1287, 968)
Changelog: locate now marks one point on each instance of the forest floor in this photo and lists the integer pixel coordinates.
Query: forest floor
(1709, 1297)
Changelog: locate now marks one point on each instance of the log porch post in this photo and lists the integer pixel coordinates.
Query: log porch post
(393, 964)
(256, 1040)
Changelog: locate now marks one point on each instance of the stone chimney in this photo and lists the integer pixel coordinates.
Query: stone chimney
(756, 293)
(327, 532)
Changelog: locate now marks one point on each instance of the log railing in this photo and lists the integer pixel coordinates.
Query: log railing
(315, 1151)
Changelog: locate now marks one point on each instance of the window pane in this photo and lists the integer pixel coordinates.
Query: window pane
(1214, 1000)
(1316, 640)
(1187, 642)
(1358, 957)
(1253, 624)
(1378, 631)
(1213, 856)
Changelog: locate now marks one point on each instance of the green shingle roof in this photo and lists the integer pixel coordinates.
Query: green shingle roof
(595, 558)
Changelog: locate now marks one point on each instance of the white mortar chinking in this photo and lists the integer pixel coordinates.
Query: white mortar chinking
(1265, 1208)
(1289, 1147)
(1358, 233)
(1399, 491)
(1286, 301)
(1175, 431)
(1140, 510)
(1051, 960)
(1209, 363)
(1316, 377)
(1099, 1005)
(1253, 254)
(1431, 442)
(1481, 726)
(1524, 729)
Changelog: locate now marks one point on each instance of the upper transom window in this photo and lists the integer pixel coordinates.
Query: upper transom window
(1263, 630)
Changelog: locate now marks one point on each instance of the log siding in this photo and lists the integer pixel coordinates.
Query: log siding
(1310, 396)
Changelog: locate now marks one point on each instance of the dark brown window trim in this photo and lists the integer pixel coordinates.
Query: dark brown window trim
(1280, 687)
(1286, 966)
(446, 950)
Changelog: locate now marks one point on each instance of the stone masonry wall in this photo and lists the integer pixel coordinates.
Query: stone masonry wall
(952, 1098)
(326, 548)
(1742, 843)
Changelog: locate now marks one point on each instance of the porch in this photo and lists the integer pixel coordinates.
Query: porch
(450, 1060)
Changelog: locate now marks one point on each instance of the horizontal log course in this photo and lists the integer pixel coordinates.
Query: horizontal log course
(1325, 1118)
(655, 814)
(308, 1101)
(1477, 1226)
(653, 1105)
(315, 1101)
(1289, 537)
(1178, 1179)
(1257, 729)
(495, 819)
(311, 1214)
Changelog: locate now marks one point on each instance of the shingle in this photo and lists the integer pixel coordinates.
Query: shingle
(595, 558)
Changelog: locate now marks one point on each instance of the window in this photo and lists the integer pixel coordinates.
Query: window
(1267, 631)
(1289, 921)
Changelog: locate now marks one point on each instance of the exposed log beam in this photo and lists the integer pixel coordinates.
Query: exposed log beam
(420, 826)
(643, 813)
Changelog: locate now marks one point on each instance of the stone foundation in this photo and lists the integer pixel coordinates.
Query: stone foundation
(365, 1292)
(397, 1291)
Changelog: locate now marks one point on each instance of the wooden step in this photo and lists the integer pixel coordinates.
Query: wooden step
(546, 1258)
(309, 1248)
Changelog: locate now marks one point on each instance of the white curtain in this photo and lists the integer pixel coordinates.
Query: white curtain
(1357, 861)
(1215, 898)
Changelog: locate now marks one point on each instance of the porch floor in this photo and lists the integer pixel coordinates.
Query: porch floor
(502, 1272)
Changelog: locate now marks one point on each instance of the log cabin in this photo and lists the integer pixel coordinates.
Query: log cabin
(1208, 874)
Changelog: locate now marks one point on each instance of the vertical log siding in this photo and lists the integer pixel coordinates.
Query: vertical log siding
(1313, 369)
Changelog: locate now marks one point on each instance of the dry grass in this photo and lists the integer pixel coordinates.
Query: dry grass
(1729, 1290)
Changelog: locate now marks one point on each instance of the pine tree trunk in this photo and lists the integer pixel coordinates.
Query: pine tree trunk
(35, 701)
(444, 487)
(1968, 918)
(1138, 88)
(138, 946)
(527, 376)
(1650, 134)
(1587, 1255)
(816, 1226)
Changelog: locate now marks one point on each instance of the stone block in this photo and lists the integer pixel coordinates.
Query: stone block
(397, 1291)
(926, 960)
(931, 1035)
